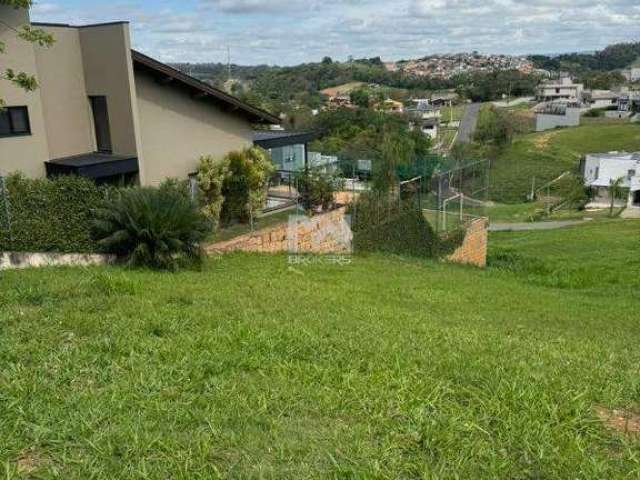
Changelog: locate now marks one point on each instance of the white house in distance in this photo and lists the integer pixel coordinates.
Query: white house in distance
(631, 74)
(561, 89)
(600, 169)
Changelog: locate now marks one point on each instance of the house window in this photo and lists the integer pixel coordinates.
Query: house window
(632, 173)
(557, 90)
(101, 123)
(14, 121)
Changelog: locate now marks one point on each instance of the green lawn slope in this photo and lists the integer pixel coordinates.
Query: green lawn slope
(546, 155)
(384, 368)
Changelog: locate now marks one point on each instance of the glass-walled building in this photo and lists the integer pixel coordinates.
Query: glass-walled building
(289, 150)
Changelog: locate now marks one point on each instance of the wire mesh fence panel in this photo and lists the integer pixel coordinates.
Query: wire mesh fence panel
(463, 188)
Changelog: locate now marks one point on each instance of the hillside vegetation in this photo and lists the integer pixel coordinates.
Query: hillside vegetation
(546, 155)
(384, 368)
(616, 56)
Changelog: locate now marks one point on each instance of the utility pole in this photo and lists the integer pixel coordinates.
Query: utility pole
(228, 63)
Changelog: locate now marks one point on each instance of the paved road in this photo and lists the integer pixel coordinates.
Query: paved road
(521, 227)
(468, 123)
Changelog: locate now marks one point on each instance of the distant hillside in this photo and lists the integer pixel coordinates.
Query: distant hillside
(614, 57)
(281, 88)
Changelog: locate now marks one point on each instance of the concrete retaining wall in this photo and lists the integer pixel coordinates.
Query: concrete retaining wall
(15, 260)
(548, 121)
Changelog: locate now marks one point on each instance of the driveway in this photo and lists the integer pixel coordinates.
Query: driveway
(468, 123)
(522, 227)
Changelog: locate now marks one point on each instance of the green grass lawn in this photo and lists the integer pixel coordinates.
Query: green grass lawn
(446, 136)
(548, 154)
(454, 113)
(385, 368)
(526, 212)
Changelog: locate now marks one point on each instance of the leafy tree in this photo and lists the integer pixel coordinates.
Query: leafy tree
(245, 186)
(602, 80)
(615, 191)
(28, 34)
(360, 97)
(211, 177)
(317, 189)
(494, 126)
(613, 57)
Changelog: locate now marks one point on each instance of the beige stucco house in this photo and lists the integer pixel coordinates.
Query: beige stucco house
(105, 111)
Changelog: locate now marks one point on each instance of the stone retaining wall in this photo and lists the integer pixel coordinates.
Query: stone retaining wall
(324, 233)
(473, 250)
(15, 260)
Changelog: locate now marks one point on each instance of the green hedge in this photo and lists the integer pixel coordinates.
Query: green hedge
(382, 224)
(405, 233)
(48, 215)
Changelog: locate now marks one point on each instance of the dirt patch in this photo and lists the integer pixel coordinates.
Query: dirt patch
(623, 421)
(30, 461)
(542, 141)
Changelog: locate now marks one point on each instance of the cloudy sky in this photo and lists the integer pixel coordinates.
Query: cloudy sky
(288, 32)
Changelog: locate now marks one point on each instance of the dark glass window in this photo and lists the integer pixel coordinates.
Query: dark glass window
(101, 123)
(14, 121)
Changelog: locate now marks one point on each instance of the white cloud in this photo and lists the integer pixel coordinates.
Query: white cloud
(293, 31)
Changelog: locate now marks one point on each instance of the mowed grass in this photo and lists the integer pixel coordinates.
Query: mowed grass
(546, 155)
(385, 368)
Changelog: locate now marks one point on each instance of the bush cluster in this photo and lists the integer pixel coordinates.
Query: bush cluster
(317, 190)
(154, 227)
(382, 224)
(234, 189)
(245, 187)
(45, 215)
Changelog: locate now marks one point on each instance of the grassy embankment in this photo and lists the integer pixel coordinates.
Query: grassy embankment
(547, 155)
(385, 368)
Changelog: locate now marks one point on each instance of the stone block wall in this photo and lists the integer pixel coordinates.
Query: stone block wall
(325, 233)
(473, 250)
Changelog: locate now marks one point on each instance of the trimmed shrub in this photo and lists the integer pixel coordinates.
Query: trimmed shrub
(42, 215)
(155, 227)
(212, 175)
(381, 224)
(245, 188)
(317, 189)
(406, 233)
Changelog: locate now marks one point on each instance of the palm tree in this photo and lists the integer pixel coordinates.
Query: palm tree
(615, 191)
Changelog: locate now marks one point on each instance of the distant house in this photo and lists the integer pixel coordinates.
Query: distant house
(600, 169)
(423, 109)
(392, 106)
(439, 99)
(340, 101)
(562, 89)
(429, 127)
(110, 113)
(629, 101)
(600, 98)
(631, 74)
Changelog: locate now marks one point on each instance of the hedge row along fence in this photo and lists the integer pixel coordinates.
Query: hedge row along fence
(382, 224)
(45, 215)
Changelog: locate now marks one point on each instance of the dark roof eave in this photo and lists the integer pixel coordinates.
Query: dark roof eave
(256, 115)
(275, 139)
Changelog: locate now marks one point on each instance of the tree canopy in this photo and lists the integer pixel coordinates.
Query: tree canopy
(26, 33)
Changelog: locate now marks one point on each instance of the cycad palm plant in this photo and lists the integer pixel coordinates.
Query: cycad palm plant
(155, 227)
